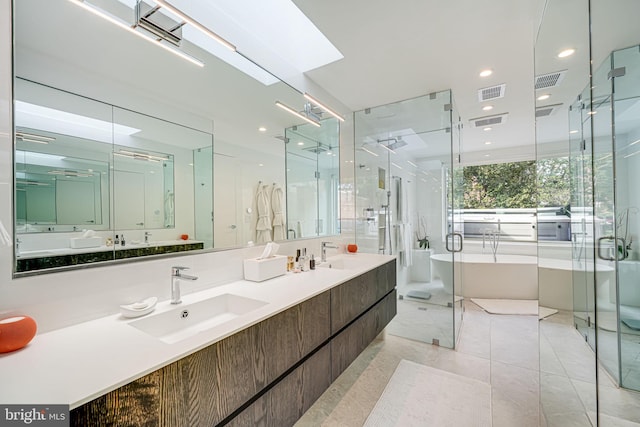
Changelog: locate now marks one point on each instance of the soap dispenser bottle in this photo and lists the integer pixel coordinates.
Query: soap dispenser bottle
(122, 240)
(312, 263)
(117, 241)
(302, 261)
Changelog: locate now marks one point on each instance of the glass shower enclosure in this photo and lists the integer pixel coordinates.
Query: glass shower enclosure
(408, 194)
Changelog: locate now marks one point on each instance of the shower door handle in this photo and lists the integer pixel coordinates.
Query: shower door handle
(619, 256)
(453, 238)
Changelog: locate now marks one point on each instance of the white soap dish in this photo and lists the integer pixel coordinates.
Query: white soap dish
(140, 308)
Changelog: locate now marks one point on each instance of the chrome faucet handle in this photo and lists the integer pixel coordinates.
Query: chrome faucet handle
(175, 270)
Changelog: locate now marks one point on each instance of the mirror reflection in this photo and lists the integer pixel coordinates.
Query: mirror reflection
(151, 122)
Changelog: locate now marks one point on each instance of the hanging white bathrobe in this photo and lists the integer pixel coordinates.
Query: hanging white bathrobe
(277, 198)
(263, 226)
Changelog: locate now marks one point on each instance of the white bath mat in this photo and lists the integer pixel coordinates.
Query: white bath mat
(545, 312)
(508, 306)
(514, 306)
(418, 395)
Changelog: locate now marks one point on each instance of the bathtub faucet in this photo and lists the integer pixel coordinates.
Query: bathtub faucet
(494, 241)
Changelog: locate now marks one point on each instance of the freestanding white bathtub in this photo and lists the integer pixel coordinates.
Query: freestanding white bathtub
(511, 277)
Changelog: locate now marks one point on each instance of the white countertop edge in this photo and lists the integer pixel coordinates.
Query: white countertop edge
(77, 364)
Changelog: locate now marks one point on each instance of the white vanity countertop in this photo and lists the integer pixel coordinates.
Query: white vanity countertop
(74, 365)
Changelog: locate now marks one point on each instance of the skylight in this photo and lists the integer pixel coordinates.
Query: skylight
(274, 33)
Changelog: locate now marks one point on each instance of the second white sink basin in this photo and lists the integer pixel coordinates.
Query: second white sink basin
(187, 320)
(342, 262)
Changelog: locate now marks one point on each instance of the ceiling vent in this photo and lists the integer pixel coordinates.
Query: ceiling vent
(549, 80)
(547, 110)
(497, 119)
(493, 92)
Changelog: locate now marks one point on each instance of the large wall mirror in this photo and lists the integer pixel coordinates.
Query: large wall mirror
(116, 136)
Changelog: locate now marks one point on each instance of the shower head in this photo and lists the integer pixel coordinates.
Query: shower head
(398, 144)
(392, 143)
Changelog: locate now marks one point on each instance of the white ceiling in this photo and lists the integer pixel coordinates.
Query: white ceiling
(406, 48)
(392, 51)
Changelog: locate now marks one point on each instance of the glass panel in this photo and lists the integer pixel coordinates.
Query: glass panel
(604, 220)
(403, 166)
(627, 215)
(565, 263)
(458, 222)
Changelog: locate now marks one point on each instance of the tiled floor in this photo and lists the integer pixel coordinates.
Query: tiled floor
(538, 377)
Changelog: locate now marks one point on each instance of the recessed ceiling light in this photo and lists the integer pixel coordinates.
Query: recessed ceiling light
(487, 129)
(487, 143)
(543, 97)
(487, 155)
(260, 164)
(300, 143)
(329, 153)
(573, 131)
(262, 129)
(487, 108)
(566, 52)
(486, 73)
(591, 113)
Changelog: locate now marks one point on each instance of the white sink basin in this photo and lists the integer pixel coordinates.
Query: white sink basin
(343, 262)
(187, 320)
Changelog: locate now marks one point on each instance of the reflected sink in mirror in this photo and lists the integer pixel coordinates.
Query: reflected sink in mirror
(187, 320)
(343, 262)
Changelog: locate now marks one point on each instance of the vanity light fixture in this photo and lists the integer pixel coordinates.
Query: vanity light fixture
(30, 137)
(487, 108)
(300, 143)
(324, 107)
(140, 156)
(412, 164)
(104, 15)
(487, 129)
(386, 148)
(486, 73)
(196, 24)
(297, 114)
(566, 52)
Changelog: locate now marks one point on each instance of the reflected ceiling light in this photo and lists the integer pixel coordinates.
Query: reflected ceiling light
(412, 164)
(104, 15)
(399, 167)
(487, 108)
(412, 174)
(591, 113)
(324, 107)
(300, 143)
(196, 24)
(487, 155)
(70, 173)
(295, 113)
(573, 131)
(260, 164)
(140, 156)
(487, 129)
(369, 151)
(566, 52)
(488, 143)
(386, 148)
(329, 153)
(543, 97)
(486, 73)
(262, 129)
(31, 137)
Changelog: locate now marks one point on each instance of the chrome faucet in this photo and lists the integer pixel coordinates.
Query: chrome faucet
(176, 276)
(323, 250)
(146, 236)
